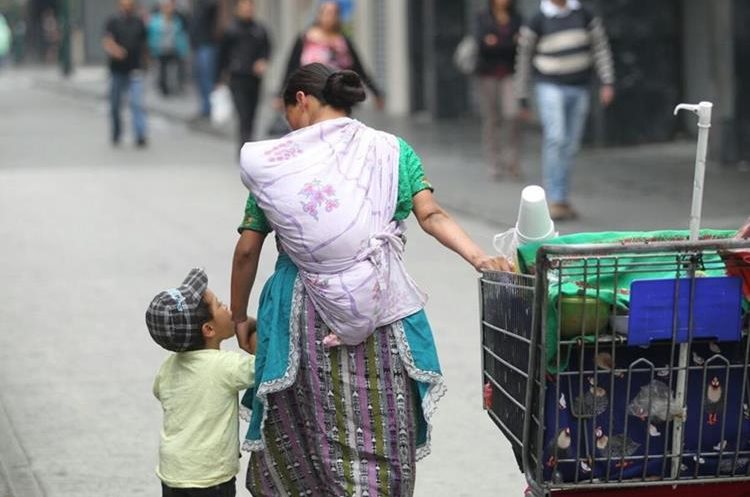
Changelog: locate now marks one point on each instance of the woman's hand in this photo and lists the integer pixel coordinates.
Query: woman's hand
(744, 231)
(498, 263)
(246, 335)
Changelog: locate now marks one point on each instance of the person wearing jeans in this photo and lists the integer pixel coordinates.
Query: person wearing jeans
(563, 110)
(205, 34)
(131, 83)
(168, 42)
(205, 70)
(563, 44)
(496, 33)
(125, 44)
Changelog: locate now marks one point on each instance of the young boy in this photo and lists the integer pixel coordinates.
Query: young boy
(197, 387)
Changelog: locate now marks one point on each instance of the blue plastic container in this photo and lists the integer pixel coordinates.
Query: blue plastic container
(717, 309)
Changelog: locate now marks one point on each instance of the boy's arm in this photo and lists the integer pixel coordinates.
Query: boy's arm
(155, 388)
(237, 370)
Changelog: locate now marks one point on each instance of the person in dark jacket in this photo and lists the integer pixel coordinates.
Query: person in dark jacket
(497, 31)
(324, 42)
(205, 32)
(168, 42)
(124, 42)
(243, 60)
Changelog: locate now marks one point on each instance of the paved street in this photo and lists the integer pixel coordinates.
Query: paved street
(90, 233)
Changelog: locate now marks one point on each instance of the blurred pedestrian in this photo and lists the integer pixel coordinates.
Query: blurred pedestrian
(125, 44)
(324, 42)
(168, 42)
(19, 41)
(336, 193)
(50, 35)
(561, 44)
(243, 61)
(205, 32)
(182, 12)
(497, 31)
(6, 37)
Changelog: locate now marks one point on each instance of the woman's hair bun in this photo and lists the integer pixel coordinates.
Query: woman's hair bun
(343, 89)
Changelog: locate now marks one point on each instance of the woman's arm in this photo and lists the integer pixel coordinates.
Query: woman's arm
(244, 269)
(436, 222)
(359, 68)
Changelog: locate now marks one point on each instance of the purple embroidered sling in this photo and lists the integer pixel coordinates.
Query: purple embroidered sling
(329, 191)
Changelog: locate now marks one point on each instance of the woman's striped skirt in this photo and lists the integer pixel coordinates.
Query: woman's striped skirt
(346, 427)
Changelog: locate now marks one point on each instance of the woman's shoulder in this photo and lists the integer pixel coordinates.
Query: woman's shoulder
(404, 146)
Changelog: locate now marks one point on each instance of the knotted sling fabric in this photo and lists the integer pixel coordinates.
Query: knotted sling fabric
(330, 192)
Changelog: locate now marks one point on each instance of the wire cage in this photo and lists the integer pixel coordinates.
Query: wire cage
(622, 365)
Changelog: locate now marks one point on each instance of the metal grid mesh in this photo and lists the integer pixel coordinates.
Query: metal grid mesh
(601, 413)
(507, 304)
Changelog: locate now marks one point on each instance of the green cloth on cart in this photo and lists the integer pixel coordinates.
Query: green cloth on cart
(595, 276)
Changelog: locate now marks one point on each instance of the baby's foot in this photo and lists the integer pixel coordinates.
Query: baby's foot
(331, 340)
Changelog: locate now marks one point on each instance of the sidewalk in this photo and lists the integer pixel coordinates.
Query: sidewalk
(639, 188)
(4, 489)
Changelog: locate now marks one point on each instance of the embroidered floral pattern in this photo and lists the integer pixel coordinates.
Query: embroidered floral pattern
(285, 150)
(318, 196)
(317, 282)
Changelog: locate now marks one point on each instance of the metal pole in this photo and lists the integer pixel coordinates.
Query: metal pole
(703, 111)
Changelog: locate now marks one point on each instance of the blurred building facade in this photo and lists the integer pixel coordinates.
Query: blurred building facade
(666, 52)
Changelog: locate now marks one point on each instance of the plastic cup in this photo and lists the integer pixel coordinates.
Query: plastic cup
(534, 223)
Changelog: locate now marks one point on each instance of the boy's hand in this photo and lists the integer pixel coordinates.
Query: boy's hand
(245, 332)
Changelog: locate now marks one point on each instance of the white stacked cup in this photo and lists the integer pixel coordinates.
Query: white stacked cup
(534, 223)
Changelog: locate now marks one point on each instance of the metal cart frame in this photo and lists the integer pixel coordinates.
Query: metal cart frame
(515, 320)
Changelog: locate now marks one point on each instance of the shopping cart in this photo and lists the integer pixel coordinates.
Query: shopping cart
(590, 403)
(622, 368)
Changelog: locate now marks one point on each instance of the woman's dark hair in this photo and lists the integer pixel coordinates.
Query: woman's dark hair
(339, 89)
(512, 7)
(337, 27)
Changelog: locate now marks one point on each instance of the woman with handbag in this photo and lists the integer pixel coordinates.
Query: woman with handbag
(324, 42)
(497, 31)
